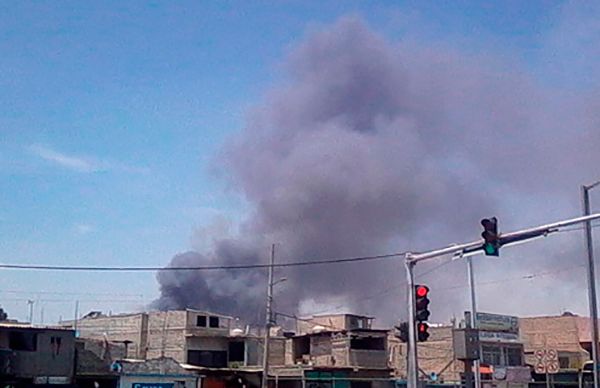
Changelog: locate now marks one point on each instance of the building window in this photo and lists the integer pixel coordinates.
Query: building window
(514, 357)
(213, 322)
(492, 355)
(55, 343)
(207, 358)
(236, 351)
(201, 321)
(22, 341)
(372, 343)
(563, 362)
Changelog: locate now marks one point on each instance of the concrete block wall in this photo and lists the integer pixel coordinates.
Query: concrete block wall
(117, 328)
(340, 346)
(562, 333)
(434, 355)
(166, 335)
(48, 359)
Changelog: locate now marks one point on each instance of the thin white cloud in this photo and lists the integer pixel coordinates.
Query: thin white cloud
(68, 161)
(83, 164)
(83, 229)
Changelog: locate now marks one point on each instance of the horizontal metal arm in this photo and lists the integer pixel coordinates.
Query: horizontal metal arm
(505, 239)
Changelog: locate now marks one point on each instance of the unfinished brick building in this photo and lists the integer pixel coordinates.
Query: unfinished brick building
(193, 337)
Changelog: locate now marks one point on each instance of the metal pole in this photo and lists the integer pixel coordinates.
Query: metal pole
(512, 238)
(30, 303)
(413, 366)
(269, 321)
(591, 281)
(477, 362)
(76, 321)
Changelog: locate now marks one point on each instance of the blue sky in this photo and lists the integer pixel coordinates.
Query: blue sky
(111, 114)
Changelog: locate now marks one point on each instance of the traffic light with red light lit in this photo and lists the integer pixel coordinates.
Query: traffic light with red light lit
(422, 311)
(421, 303)
(491, 245)
(422, 331)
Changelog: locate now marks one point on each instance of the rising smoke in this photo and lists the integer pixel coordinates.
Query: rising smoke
(372, 146)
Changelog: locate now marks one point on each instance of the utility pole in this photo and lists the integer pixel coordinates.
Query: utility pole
(585, 192)
(477, 363)
(465, 250)
(413, 363)
(268, 321)
(30, 303)
(76, 320)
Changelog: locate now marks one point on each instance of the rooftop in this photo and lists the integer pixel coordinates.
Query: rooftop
(27, 325)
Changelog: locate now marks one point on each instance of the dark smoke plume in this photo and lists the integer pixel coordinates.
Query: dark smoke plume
(371, 147)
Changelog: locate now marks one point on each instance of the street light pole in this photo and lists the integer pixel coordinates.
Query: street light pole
(466, 250)
(477, 363)
(585, 191)
(268, 322)
(413, 365)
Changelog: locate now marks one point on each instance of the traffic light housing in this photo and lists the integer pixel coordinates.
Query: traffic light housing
(422, 331)
(421, 303)
(422, 312)
(491, 245)
(402, 331)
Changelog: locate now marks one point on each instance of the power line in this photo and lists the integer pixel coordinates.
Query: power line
(43, 267)
(197, 268)
(69, 293)
(522, 277)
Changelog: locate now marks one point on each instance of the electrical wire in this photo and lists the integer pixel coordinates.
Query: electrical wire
(198, 268)
(43, 267)
(29, 292)
(523, 277)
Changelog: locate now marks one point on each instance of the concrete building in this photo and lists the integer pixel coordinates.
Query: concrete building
(161, 372)
(191, 337)
(36, 355)
(502, 352)
(435, 356)
(341, 350)
(568, 333)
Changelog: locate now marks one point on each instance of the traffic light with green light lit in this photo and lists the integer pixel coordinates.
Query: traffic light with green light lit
(491, 245)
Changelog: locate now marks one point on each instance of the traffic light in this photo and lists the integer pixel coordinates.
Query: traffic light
(422, 331)
(491, 246)
(402, 331)
(421, 303)
(422, 311)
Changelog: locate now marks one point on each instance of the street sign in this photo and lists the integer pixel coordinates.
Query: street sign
(540, 354)
(546, 361)
(540, 368)
(495, 322)
(552, 367)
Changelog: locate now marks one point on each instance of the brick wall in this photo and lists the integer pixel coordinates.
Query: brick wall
(117, 328)
(434, 355)
(564, 333)
(166, 337)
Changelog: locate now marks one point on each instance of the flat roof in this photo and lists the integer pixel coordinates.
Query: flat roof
(348, 331)
(24, 325)
(340, 314)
